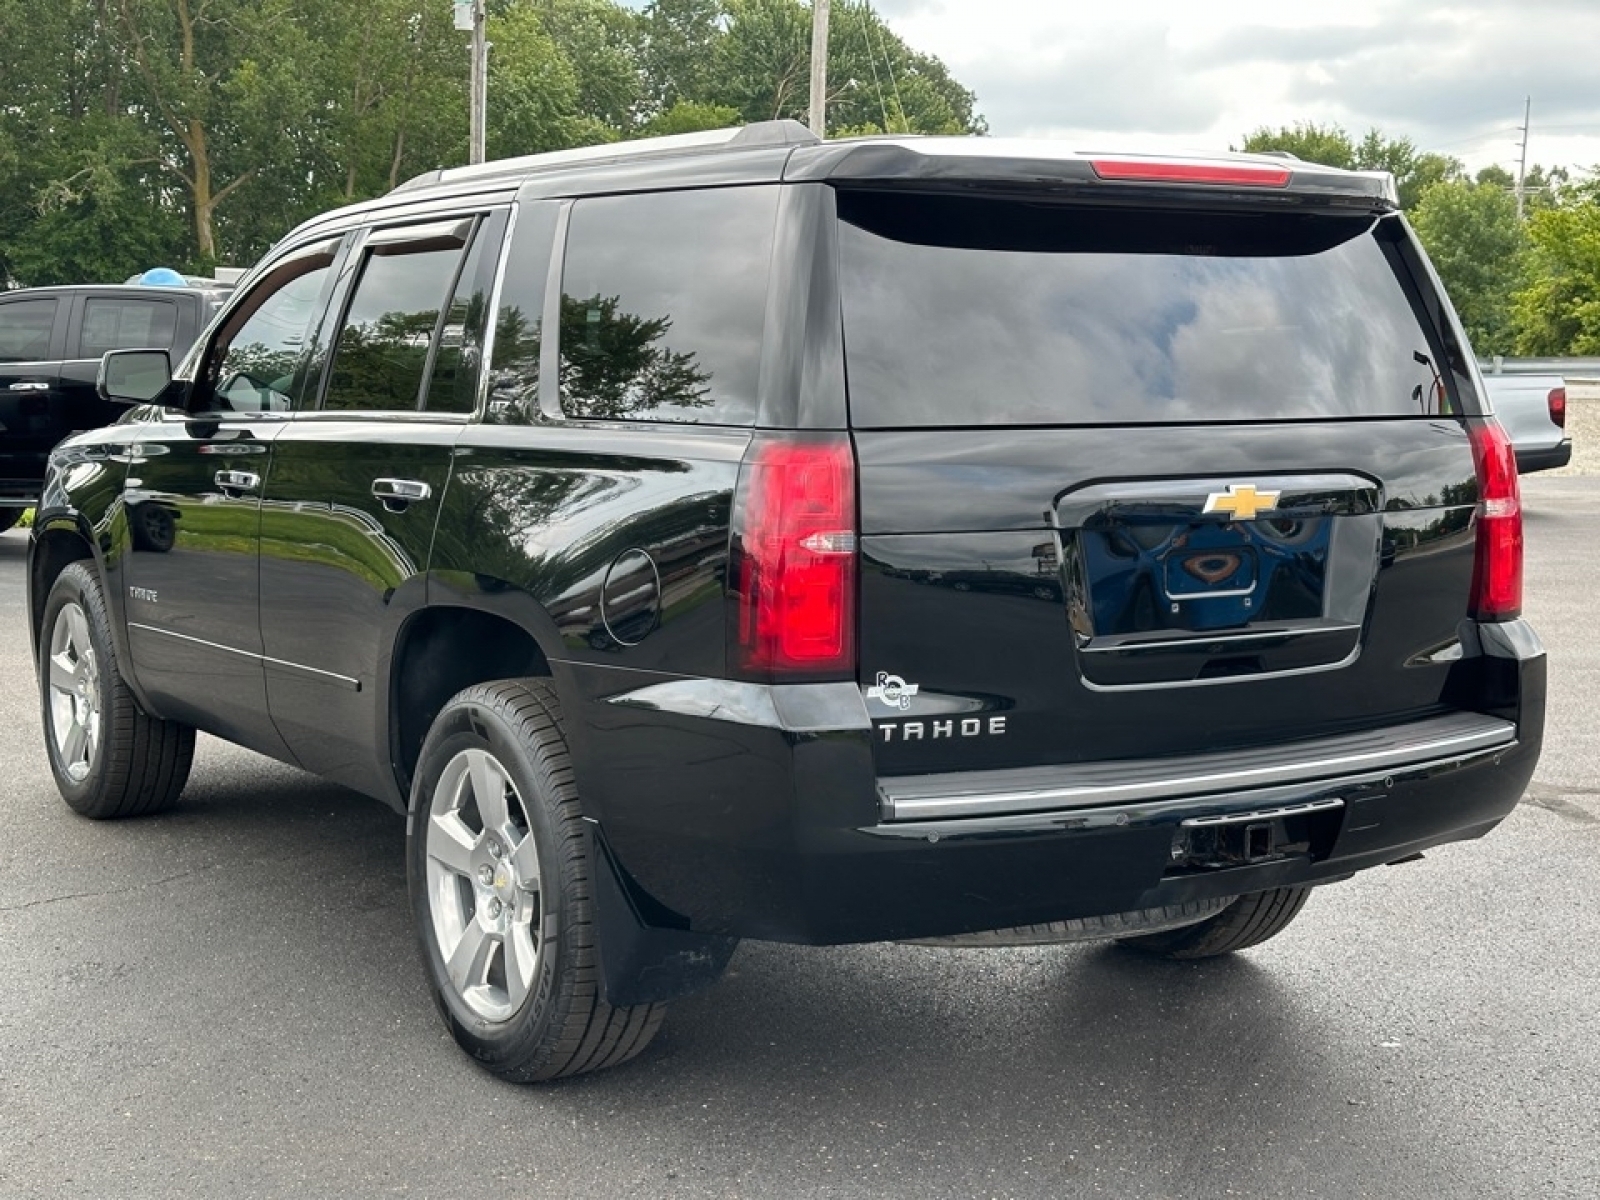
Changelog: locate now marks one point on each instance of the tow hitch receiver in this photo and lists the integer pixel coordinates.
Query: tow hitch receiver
(1238, 838)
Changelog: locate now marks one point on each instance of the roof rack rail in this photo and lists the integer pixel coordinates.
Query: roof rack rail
(739, 137)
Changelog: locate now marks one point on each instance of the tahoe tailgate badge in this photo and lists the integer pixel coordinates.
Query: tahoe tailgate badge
(1241, 501)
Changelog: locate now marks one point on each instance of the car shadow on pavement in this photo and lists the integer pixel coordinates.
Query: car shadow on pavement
(273, 907)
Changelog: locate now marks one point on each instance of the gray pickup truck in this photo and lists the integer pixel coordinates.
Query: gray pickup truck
(1532, 409)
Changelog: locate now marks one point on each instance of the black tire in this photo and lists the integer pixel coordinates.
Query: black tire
(132, 763)
(1248, 921)
(523, 1021)
(9, 517)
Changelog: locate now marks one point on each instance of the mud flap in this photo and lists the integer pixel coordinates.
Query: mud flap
(646, 963)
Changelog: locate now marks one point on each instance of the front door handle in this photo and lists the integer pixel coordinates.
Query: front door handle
(237, 481)
(397, 494)
(30, 385)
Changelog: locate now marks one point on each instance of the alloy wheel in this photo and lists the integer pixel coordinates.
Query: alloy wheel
(74, 685)
(484, 894)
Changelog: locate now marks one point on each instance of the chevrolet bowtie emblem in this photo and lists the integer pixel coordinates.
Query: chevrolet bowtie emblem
(1241, 501)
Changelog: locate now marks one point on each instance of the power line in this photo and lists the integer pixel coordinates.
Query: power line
(888, 66)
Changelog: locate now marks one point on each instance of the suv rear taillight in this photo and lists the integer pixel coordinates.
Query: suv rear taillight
(1497, 572)
(1557, 400)
(794, 559)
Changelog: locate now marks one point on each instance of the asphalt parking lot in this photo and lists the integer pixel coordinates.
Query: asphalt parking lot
(226, 1001)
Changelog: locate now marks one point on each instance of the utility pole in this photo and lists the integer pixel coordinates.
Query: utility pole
(1522, 163)
(480, 82)
(819, 67)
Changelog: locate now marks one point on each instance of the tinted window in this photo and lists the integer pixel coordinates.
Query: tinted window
(261, 358)
(663, 305)
(453, 383)
(382, 353)
(25, 330)
(964, 311)
(514, 365)
(126, 324)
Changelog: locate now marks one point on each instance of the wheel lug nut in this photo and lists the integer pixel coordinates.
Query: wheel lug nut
(495, 850)
(486, 875)
(494, 908)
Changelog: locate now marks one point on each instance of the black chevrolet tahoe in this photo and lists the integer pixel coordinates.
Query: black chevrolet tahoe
(747, 536)
(51, 342)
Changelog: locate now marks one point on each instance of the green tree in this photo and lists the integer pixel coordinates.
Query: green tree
(189, 132)
(677, 40)
(1558, 312)
(875, 81)
(600, 39)
(1326, 144)
(688, 117)
(534, 90)
(82, 186)
(395, 73)
(1472, 234)
(219, 78)
(1414, 171)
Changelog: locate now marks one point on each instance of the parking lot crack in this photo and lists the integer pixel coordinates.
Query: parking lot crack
(138, 887)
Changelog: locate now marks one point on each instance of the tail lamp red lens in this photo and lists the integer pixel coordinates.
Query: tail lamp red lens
(1497, 571)
(794, 565)
(1154, 170)
(1557, 401)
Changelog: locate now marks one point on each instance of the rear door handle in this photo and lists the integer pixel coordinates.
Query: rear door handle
(30, 385)
(396, 494)
(237, 481)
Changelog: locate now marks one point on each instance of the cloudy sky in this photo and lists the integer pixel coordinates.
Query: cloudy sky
(1151, 74)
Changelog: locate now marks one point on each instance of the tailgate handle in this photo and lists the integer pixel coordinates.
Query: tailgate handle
(30, 385)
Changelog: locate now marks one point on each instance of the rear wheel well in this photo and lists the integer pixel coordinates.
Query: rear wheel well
(440, 652)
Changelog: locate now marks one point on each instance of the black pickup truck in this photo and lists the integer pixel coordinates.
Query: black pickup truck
(51, 341)
(747, 536)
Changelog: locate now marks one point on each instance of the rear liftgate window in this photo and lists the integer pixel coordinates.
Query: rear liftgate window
(973, 311)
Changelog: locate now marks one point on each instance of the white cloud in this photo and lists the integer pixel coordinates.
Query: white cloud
(1162, 73)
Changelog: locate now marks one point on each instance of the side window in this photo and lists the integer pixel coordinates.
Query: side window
(258, 358)
(514, 365)
(663, 305)
(125, 323)
(382, 355)
(25, 327)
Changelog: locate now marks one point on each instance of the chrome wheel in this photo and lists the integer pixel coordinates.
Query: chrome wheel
(74, 708)
(484, 896)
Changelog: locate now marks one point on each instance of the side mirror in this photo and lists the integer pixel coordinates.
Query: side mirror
(134, 376)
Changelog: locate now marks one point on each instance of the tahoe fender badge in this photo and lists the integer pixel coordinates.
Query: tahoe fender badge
(1241, 501)
(139, 593)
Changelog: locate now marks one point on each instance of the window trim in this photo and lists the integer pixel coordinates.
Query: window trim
(476, 225)
(550, 331)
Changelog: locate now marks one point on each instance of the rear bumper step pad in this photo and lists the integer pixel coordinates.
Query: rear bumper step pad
(1100, 784)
